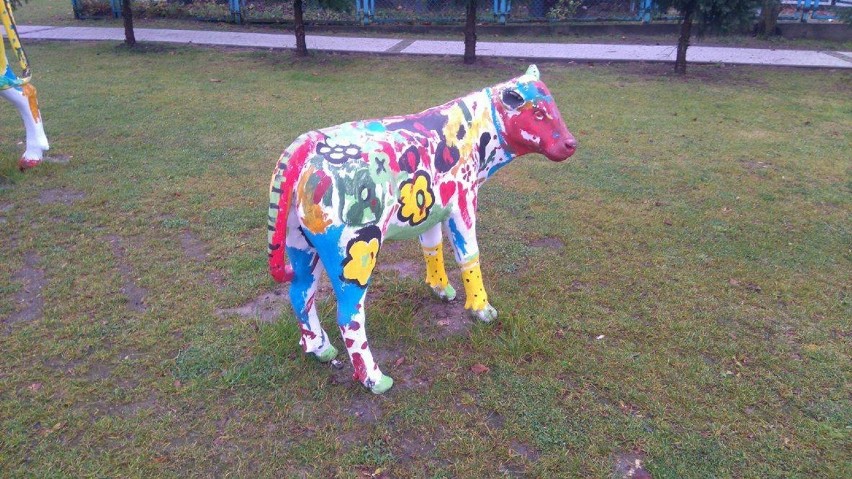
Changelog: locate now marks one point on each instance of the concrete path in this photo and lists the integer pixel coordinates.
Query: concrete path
(532, 51)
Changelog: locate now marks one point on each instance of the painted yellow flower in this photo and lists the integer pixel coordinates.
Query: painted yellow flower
(361, 261)
(416, 198)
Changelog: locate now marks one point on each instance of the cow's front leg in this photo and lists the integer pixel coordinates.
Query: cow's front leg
(462, 234)
(24, 100)
(436, 274)
(352, 322)
(350, 277)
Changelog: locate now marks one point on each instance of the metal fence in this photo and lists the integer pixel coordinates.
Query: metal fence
(422, 12)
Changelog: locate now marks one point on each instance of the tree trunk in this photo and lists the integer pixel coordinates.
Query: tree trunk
(470, 33)
(299, 21)
(770, 9)
(127, 13)
(683, 42)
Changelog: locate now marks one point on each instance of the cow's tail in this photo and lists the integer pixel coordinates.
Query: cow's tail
(280, 196)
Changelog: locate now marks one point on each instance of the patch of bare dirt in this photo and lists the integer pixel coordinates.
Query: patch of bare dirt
(135, 294)
(99, 372)
(523, 450)
(630, 465)
(29, 298)
(414, 371)
(193, 248)
(4, 209)
(412, 446)
(65, 196)
(267, 307)
(403, 269)
(58, 159)
(104, 408)
(444, 319)
(365, 408)
(495, 420)
(548, 242)
(196, 250)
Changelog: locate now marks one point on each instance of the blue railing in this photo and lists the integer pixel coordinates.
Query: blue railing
(501, 10)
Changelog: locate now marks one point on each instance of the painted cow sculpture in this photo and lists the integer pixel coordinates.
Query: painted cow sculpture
(21, 93)
(337, 194)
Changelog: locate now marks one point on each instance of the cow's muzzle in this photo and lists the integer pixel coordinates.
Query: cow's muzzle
(563, 150)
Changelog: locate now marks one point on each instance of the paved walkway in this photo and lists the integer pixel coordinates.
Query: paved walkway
(532, 51)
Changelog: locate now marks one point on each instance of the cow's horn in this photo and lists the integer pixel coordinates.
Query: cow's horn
(533, 72)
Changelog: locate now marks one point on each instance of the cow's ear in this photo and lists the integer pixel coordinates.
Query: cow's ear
(533, 72)
(512, 99)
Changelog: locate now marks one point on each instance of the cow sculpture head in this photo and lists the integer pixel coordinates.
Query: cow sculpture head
(531, 122)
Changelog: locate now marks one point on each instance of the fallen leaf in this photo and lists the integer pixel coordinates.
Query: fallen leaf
(479, 368)
(667, 222)
(733, 282)
(215, 80)
(444, 322)
(34, 387)
(399, 361)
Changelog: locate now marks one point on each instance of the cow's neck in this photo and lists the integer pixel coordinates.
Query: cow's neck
(497, 153)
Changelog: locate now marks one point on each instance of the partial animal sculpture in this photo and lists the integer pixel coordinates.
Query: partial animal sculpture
(20, 92)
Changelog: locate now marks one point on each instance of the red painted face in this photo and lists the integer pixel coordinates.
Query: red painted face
(532, 123)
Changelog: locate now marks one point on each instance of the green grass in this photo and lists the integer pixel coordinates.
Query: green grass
(705, 237)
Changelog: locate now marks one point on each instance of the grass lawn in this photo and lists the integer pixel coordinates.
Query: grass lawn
(678, 293)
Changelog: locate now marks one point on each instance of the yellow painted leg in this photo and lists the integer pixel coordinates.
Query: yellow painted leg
(436, 274)
(476, 301)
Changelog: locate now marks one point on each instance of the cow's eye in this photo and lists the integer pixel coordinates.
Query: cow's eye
(539, 115)
(512, 99)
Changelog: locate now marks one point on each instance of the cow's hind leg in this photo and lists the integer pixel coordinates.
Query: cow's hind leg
(24, 100)
(350, 276)
(307, 270)
(436, 274)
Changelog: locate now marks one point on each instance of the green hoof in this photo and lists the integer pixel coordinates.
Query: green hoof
(447, 293)
(327, 355)
(486, 314)
(383, 385)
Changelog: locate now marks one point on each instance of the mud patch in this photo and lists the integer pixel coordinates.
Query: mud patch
(548, 242)
(630, 465)
(65, 196)
(267, 307)
(756, 166)
(403, 269)
(5, 208)
(97, 409)
(415, 447)
(364, 408)
(135, 294)
(99, 372)
(443, 319)
(524, 451)
(193, 248)
(58, 159)
(408, 371)
(196, 250)
(29, 297)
